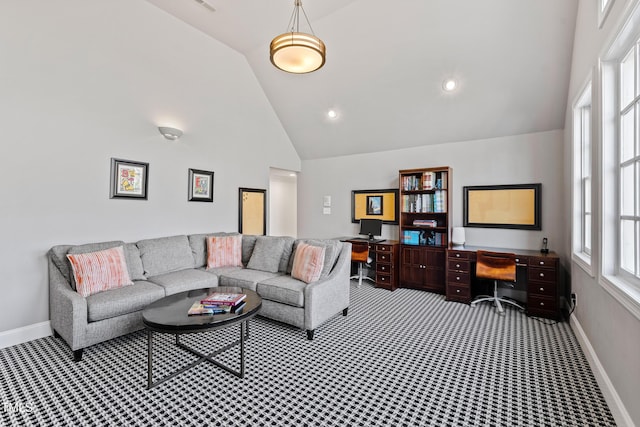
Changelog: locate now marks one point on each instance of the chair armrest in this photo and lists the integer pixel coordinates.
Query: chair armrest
(67, 309)
(327, 297)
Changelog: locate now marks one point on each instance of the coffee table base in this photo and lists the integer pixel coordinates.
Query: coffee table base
(244, 335)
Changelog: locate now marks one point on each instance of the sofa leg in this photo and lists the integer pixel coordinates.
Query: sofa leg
(77, 355)
(345, 311)
(56, 334)
(310, 334)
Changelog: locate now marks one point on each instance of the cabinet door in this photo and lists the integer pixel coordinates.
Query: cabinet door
(411, 266)
(434, 262)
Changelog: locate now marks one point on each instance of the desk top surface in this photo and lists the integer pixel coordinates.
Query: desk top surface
(523, 252)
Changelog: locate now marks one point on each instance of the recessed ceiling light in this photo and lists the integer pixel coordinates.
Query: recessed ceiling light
(332, 114)
(449, 85)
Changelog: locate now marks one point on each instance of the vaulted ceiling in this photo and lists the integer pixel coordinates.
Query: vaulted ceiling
(387, 61)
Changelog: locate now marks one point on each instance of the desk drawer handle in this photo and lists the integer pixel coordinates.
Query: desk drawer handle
(541, 304)
(458, 278)
(541, 262)
(541, 289)
(457, 255)
(517, 259)
(382, 267)
(383, 279)
(458, 290)
(541, 274)
(383, 257)
(457, 265)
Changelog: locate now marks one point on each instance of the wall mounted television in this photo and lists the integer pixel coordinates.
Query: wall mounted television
(516, 206)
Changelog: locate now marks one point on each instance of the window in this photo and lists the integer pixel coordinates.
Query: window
(582, 188)
(603, 10)
(628, 166)
(620, 148)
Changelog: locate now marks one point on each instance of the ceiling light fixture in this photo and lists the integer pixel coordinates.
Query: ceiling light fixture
(332, 114)
(449, 85)
(170, 133)
(297, 52)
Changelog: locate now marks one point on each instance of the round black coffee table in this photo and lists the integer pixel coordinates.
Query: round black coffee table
(169, 316)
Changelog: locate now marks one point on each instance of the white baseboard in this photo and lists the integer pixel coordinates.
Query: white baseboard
(27, 333)
(616, 406)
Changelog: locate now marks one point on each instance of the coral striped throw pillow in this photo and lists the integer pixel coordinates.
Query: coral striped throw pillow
(308, 262)
(224, 251)
(99, 271)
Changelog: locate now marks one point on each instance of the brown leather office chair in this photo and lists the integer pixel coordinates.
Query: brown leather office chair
(498, 266)
(360, 254)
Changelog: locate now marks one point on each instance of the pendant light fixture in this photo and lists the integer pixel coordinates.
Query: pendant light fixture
(297, 52)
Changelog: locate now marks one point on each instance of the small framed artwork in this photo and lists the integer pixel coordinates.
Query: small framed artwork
(200, 186)
(374, 205)
(129, 179)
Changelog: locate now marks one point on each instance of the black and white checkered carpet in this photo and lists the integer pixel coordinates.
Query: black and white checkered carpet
(406, 358)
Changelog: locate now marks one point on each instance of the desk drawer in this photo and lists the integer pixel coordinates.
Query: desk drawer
(542, 289)
(456, 278)
(384, 279)
(537, 303)
(537, 274)
(459, 265)
(384, 248)
(384, 257)
(382, 267)
(540, 261)
(459, 254)
(458, 292)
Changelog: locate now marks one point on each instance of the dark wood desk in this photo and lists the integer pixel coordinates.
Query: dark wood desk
(538, 273)
(385, 262)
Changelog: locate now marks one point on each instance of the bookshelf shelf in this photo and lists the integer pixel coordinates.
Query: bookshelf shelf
(425, 221)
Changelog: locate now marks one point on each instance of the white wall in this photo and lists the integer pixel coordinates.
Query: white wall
(610, 331)
(83, 81)
(519, 159)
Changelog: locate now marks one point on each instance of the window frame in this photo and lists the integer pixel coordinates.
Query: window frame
(583, 153)
(625, 288)
(604, 6)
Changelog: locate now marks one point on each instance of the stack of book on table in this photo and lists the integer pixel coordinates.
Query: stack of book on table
(217, 303)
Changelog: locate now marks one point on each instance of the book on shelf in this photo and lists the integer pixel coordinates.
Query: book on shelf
(428, 180)
(223, 298)
(425, 222)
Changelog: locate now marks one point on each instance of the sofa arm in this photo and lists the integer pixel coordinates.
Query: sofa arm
(67, 309)
(327, 297)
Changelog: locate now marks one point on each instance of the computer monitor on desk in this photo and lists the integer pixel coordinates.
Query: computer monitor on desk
(371, 228)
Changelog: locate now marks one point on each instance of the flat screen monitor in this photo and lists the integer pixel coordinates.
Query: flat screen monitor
(371, 227)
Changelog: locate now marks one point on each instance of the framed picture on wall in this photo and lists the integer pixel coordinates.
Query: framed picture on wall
(129, 179)
(252, 207)
(200, 186)
(515, 206)
(375, 204)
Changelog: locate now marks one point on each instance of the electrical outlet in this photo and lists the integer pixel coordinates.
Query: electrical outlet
(574, 299)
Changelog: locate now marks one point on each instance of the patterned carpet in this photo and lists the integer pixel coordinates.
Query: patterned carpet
(406, 358)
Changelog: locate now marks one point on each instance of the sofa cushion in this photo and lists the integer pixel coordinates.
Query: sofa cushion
(89, 247)
(224, 251)
(185, 280)
(248, 243)
(308, 262)
(283, 289)
(134, 262)
(165, 254)
(332, 252)
(267, 254)
(245, 278)
(99, 271)
(58, 255)
(198, 244)
(116, 302)
(287, 251)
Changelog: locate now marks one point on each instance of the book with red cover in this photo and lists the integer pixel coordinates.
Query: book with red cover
(221, 298)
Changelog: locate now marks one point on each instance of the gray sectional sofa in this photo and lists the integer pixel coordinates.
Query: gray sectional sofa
(168, 265)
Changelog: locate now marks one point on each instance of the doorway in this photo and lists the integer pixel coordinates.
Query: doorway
(283, 202)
